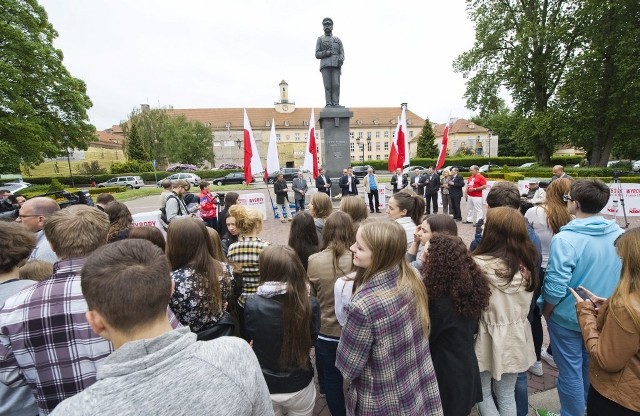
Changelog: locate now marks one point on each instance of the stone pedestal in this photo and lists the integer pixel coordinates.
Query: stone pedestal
(334, 122)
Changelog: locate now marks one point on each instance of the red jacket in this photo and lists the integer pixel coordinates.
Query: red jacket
(207, 205)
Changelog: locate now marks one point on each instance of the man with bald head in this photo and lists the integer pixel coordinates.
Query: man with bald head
(559, 173)
(32, 215)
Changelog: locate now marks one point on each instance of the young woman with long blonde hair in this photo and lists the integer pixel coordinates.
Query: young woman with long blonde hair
(383, 352)
(611, 332)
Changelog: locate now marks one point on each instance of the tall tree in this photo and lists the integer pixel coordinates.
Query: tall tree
(42, 107)
(134, 147)
(600, 98)
(521, 47)
(505, 123)
(188, 141)
(427, 141)
(151, 127)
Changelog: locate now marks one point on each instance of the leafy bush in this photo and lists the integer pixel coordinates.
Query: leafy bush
(92, 168)
(513, 177)
(55, 186)
(107, 190)
(132, 166)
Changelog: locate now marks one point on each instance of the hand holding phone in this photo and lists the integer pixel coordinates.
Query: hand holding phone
(582, 293)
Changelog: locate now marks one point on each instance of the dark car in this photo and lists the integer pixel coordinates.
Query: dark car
(233, 177)
(287, 173)
(360, 171)
(66, 199)
(460, 169)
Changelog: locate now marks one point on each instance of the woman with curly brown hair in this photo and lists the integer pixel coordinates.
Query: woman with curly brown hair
(458, 292)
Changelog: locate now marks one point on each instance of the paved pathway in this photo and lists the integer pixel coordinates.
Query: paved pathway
(278, 233)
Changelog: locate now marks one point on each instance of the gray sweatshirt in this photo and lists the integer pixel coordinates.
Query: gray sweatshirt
(174, 374)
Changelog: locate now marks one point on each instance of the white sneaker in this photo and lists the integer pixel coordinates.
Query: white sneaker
(548, 358)
(536, 368)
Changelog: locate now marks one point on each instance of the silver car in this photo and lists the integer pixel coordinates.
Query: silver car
(127, 181)
(192, 178)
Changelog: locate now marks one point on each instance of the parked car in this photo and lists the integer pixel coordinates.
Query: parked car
(231, 178)
(410, 169)
(192, 178)
(128, 181)
(528, 165)
(635, 166)
(14, 187)
(489, 168)
(460, 169)
(360, 171)
(288, 173)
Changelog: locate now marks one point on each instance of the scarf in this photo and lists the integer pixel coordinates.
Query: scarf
(271, 289)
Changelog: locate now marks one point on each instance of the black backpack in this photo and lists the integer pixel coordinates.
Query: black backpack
(163, 210)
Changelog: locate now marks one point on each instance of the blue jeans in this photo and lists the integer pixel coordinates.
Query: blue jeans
(299, 204)
(329, 377)
(522, 394)
(572, 360)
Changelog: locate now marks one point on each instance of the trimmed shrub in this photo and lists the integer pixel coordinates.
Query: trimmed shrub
(55, 186)
(107, 190)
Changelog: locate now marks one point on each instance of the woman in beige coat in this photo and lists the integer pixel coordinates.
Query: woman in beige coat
(504, 346)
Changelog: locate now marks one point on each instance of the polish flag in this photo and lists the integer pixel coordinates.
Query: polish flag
(402, 142)
(393, 151)
(252, 164)
(273, 163)
(311, 152)
(443, 149)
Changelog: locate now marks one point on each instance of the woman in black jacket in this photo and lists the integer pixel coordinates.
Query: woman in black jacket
(458, 292)
(283, 321)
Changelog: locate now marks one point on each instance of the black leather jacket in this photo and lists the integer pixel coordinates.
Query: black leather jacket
(263, 325)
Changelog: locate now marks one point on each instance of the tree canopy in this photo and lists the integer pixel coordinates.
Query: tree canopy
(43, 109)
(154, 134)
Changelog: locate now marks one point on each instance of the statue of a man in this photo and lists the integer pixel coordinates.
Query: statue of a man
(331, 54)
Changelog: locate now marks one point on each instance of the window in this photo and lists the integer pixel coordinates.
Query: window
(386, 146)
(361, 159)
(352, 158)
(386, 134)
(306, 136)
(297, 136)
(377, 135)
(368, 135)
(377, 146)
(410, 133)
(377, 157)
(368, 146)
(369, 157)
(352, 147)
(359, 135)
(267, 123)
(286, 123)
(351, 135)
(305, 122)
(278, 136)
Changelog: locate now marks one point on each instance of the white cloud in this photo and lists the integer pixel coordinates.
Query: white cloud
(203, 53)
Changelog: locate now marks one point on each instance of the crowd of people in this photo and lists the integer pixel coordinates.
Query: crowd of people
(99, 317)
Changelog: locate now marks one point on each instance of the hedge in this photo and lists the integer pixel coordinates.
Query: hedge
(146, 176)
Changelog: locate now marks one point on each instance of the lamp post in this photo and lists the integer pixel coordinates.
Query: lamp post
(361, 146)
(490, 134)
(239, 144)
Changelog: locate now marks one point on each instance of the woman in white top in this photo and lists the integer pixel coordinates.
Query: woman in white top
(504, 345)
(406, 208)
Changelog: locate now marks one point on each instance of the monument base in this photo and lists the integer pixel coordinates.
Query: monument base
(336, 155)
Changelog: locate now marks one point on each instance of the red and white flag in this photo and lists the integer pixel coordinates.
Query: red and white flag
(403, 142)
(273, 162)
(311, 151)
(252, 164)
(393, 150)
(443, 149)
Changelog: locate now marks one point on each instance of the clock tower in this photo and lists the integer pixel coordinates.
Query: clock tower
(284, 105)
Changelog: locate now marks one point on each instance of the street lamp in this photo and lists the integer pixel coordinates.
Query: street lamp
(361, 146)
(66, 143)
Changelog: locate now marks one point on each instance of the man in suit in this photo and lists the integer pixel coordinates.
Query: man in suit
(349, 183)
(323, 182)
(418, 182)
(300, 188)
(456, 183)
(398, 181)
(432, 186)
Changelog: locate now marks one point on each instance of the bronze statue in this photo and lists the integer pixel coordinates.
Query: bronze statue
(331, 54)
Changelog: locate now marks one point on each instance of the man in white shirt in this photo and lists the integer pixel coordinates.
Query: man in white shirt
(32, 215)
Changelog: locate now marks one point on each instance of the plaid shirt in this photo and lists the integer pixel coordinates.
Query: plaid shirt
(245, 253)
(384, 355)
(45, 340)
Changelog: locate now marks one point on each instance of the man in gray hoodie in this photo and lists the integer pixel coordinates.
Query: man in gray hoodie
(155, 369)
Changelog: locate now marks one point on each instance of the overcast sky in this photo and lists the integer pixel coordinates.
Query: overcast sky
(203, 54)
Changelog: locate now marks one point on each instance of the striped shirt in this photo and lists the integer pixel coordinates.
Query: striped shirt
(45, 340)
(383, 353)
(245, 254)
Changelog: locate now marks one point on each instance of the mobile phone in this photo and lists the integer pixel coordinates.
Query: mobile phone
(581, 292)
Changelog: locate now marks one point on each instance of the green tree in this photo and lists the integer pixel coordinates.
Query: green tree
(505, 124)
(427, 141)
(523, 48)
(42, 107)
(134, 147)
(600, 98)
(188, 141)
(151, 127)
